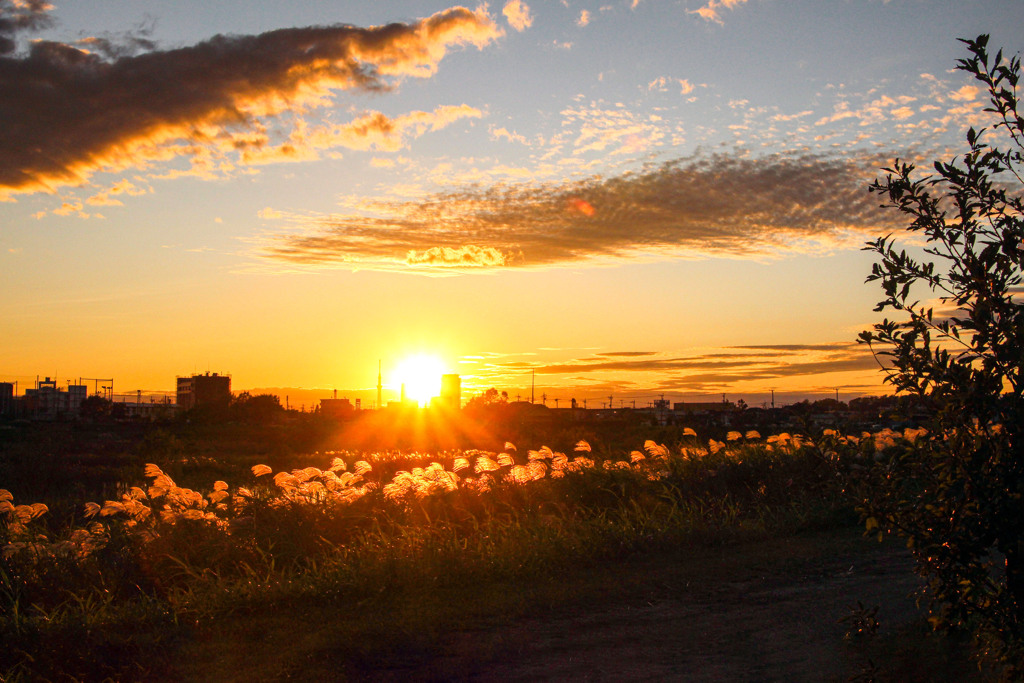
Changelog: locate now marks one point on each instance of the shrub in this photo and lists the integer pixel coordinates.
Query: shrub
(957, 495)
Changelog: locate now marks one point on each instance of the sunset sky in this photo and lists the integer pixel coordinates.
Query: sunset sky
(628, 197)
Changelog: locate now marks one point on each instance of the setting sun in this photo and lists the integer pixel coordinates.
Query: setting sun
(421, 377)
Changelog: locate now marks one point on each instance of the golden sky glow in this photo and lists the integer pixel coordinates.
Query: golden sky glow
(630, 198)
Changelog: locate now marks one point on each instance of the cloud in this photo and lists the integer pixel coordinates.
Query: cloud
(967, 93)
(627, 353)
(269, 214)
(511, 136)
(705, 205)
(709, 11)
(712, 370)
(661, 83)
(731, 369)
(17, 16)
(467, 256)
(584, 18)
(69, 113)
(796, 347)
(611, 131)
(374, 130)
(107, 197)
(518, 15)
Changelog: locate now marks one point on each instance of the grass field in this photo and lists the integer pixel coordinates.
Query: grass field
(398, 548)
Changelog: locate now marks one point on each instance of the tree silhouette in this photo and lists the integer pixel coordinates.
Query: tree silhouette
(958, 495)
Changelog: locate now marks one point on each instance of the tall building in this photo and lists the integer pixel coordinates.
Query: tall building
(203, 390)
(46, 400)
(451, 391)
(6, 398)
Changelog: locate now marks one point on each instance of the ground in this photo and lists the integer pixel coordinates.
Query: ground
(761, 611)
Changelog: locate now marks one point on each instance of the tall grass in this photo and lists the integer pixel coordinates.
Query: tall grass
(85, 598)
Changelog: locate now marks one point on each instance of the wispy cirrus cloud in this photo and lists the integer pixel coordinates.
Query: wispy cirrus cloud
(69, 112)
(705, 205)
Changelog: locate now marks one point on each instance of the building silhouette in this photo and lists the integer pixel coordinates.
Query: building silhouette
(337, 408)
(451, 391)
(47, 401)
(203, 390)
(7, 398)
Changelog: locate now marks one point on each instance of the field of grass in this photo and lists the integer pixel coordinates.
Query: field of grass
(121, 587)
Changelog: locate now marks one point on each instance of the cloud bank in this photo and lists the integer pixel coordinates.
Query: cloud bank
(705, 205)
(69, 112)
(645, 372)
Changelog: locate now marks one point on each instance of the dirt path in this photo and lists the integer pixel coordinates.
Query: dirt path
(765, 611)
(765, 628)
(757, 613)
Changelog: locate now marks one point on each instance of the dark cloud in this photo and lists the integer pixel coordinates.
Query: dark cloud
(68, 112)
(120, 45)
(719, 369)
(17, 16)
(719, 204)
(648, 365)
(840, 346)
(627, 354)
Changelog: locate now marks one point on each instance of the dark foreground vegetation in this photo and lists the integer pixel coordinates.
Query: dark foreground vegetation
(121, 587)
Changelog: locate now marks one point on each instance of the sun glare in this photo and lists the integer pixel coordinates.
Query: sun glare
(421, 376)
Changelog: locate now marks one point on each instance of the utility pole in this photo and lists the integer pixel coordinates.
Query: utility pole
(96, 384)
(556, 404)
(773, 399)
(379, 403)
(533, 383)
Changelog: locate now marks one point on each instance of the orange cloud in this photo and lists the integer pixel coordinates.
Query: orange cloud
(70, 113)
(689, 207)
(518, 15)
(372, 130)
(106, 198)
(709, 11)
(466, 256)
